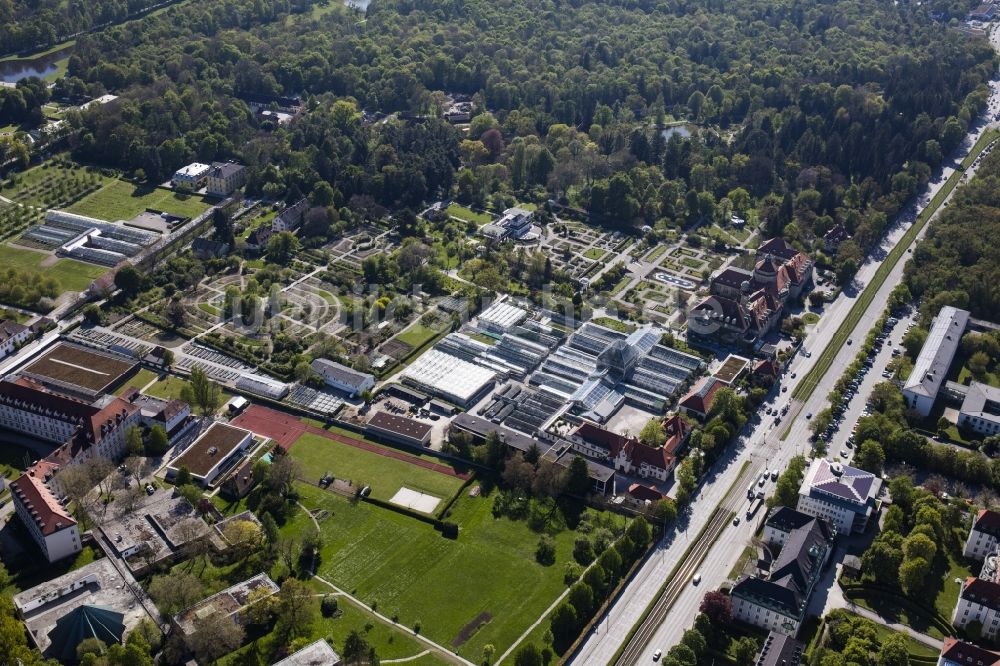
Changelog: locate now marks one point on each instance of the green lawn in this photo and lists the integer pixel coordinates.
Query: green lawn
(389, 642)
(614, 324)
(947, 597)
(810, 318)
(417, 335)
(656, 253)
(408, 568)
(595, 253)
(209, 308)
(385, 475)
(72, 275)
(170, 389)
(463, 213)
(121, 200)
(139, 380)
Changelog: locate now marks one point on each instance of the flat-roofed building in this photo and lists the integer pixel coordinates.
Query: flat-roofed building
(155, 530)
(449, 377)
(94, 601)
(217, 450)
(931, 368)
(399, 429)
(190, 177)
(80, 371)
(228, 603)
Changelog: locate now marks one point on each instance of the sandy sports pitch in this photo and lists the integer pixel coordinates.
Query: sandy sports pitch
(411, 499)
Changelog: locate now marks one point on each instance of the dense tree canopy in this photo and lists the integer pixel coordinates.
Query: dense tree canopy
(809, 114)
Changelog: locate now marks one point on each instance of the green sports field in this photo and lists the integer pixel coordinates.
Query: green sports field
(385, 475)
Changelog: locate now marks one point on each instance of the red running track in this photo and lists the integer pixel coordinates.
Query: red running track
(285, 429)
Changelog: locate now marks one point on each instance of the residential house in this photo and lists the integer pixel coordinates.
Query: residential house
(206, 248)
(834, 237)
(12, 336)
(258, 238)
(698, 402)
(291, 218)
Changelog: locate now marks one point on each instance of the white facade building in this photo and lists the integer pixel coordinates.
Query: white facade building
(984, 535)
(191, 177)
(931, 368)
(226, 177)
(12, 336)
(341, 377)
(845, 496)
(48, 523)
(979, 601)
(980, 410)
(779, 602)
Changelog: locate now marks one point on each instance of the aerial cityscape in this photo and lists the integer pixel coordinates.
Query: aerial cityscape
(342, 333)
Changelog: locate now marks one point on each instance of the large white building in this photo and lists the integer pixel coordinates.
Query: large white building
(47, 521)
(984, 535)
(779, 602)
(931, 368)
(341, 377)
(845, 496)
(449, 377)
(980, 411)
(190, 177)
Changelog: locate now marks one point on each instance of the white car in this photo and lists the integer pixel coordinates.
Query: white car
(657, 655)
(696, 579)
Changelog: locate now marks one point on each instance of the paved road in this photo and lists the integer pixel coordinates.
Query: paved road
(761, 442)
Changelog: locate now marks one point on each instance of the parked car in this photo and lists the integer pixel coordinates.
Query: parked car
(696, 579)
